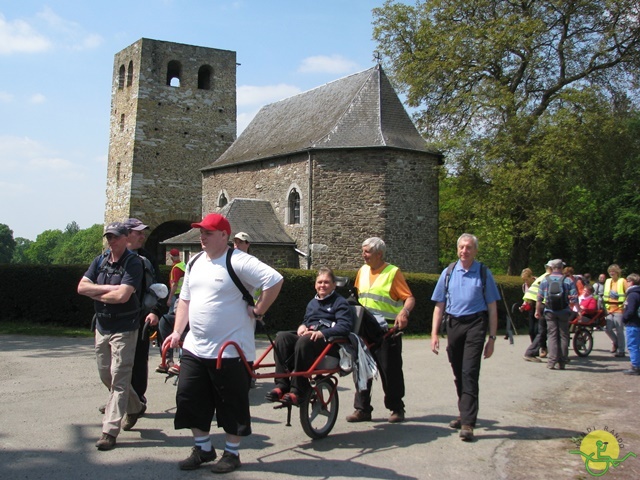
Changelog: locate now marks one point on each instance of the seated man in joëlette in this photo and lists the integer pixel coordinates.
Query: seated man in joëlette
(328, 315)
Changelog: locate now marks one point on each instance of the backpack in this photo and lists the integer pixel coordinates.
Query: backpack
(556, 296)
(151, 291)
(483, 278)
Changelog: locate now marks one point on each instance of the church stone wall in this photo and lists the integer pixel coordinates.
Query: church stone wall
(354, 194)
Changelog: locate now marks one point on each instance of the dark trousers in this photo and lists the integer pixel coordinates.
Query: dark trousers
(140, 372)
(465, 346)
(389, 360)
(534, 348)
(296, 354)
(533, 322)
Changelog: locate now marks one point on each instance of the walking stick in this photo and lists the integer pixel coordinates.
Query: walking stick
(511, 328)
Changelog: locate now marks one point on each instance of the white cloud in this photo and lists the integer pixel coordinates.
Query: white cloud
(20, 37)
(41, 33)
(71, 34)
(5, 97)
(251, 95)
(37, 98)
(335, 64)
(39, 182)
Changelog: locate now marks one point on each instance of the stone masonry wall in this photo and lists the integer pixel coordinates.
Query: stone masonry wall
(168, 132)
(355, 194)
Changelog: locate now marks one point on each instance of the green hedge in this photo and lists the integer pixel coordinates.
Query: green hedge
(47, 295)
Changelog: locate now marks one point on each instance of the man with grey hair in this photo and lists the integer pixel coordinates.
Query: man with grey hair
(466, 298)
(556, 311)
(383, 290)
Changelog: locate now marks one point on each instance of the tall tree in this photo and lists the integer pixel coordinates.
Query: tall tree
(7, 243)
(496, 83)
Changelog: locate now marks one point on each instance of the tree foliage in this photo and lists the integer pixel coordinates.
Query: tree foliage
(57, 247)
(7, 243)
(522, 96)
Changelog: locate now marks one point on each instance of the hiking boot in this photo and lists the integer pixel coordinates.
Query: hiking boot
(130, 419)
(457, 423)
(614, 348)
(228, 463)
(619, 354)
(359, 416)
(632, 371)
(106, 442)
(396, 416)
(543, 353)
(197, 458)
(466, 433)
(531, 359)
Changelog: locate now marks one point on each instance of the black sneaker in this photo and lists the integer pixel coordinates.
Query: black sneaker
(197, 458)
(106, 442)
(228, 463)
(130, 419)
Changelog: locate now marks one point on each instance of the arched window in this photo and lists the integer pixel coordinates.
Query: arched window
(121, 77)
(204, 77)
(294, 207)
(174, 71)
(130, 74)
(222, 200)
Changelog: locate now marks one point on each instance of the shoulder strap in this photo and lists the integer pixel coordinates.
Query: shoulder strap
(245, 294)
(483, 278)
(193, 260)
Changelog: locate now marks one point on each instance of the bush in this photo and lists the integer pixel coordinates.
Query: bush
(46, 294)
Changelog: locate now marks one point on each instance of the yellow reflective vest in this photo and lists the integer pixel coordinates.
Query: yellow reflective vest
(608, 302)
(377, 297)
(532, 293)
(183, 267)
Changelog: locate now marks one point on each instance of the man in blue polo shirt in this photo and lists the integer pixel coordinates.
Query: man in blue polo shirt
(466, 300)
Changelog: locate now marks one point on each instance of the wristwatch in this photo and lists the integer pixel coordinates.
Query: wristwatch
(492, 337)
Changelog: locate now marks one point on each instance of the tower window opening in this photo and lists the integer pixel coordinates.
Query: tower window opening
(130, 74)
(174, 72)
(204, 77)
(121, 77)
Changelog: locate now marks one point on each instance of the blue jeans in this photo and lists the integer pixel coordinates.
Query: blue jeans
(633, 344)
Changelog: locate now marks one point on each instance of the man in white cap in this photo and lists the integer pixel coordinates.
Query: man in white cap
(556, 296)
(241, 241)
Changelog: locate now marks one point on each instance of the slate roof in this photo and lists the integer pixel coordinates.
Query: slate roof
(255, 217)
(361, 110)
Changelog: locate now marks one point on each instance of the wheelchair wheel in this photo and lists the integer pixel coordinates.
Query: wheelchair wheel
(582, 342)
(319, 410)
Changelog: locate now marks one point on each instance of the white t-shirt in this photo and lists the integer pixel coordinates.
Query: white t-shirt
(217, 312)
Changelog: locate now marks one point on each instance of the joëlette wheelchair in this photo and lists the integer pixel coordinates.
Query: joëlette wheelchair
(582, 326)
(319, 407)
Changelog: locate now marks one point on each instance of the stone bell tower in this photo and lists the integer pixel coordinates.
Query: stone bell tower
(173, 112)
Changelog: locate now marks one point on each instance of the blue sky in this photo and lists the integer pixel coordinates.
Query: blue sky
(56, 60)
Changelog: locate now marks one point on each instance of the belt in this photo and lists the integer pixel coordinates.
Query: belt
(468, 318)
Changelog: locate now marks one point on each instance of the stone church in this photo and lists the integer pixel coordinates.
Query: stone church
(309, 179)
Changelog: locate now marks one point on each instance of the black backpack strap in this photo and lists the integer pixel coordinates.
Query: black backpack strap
(245, 293)
(193, 260)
